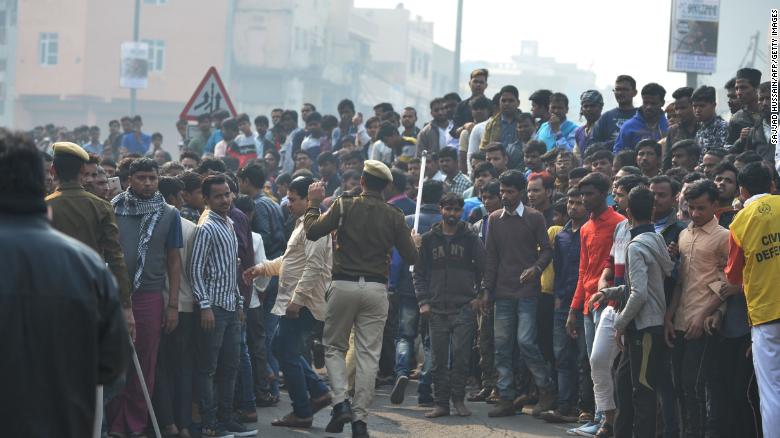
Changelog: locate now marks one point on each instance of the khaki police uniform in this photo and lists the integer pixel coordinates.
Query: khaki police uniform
(367, 230)
(90, 220)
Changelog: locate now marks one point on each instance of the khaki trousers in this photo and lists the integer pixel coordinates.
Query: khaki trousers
(362, 305)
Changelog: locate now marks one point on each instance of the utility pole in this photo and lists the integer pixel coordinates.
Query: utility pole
(755, 49)
(136, 24)
(456, 60)
(691, 79)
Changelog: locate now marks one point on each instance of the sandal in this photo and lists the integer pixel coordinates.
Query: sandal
(605, 431)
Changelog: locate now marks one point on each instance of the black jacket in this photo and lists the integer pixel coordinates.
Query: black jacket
(449, 270)
(62, 328)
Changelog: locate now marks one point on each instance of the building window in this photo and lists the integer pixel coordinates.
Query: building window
(48, 48)
(156, 2)
(425, 60)
(413, 61)
(156, 55)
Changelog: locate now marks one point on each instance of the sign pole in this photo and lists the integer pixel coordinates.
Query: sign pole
(136, 25)
(691, 79)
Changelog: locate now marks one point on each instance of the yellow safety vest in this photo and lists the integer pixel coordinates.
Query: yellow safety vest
(756, 229)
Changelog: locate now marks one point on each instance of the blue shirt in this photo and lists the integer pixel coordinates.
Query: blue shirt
(215, 138)
(134, 146)
(566, 263)
(404, 203)
(636, 130)
(468, 205)
(608, 126)
(563, 139)
(508, 131)
(94, 148)
(337, 136)
(268, 222)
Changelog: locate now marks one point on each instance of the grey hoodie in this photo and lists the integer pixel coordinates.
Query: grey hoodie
(647, 265)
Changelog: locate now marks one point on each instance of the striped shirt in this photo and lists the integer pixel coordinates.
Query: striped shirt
(214, 264)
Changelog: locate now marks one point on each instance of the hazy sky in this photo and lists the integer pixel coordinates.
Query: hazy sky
(591, 34)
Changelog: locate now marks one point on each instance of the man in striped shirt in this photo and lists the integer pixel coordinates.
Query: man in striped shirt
(213, 268)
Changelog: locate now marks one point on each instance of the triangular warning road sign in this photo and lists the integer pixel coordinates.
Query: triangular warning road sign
(209, 97)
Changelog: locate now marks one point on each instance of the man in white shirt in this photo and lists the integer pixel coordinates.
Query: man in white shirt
(481, 110)
(246, 138)
(304, 273)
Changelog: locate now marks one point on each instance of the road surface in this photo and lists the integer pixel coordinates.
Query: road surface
(387, 420)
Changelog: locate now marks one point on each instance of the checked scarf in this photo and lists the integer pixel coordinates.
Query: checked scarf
(151, 210)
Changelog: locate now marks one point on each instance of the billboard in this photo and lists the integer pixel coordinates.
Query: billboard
(693, 36)
(134, 68)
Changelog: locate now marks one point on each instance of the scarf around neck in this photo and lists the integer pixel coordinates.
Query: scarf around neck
(150, 210)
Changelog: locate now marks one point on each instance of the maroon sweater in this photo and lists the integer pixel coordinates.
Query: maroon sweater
(514, 244)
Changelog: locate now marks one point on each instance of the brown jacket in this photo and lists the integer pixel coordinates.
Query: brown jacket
(514, 244)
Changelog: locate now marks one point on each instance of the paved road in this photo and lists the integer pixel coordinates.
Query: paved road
(387, 420)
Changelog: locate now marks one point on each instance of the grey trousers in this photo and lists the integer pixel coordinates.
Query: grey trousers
(451, 333)
(362, 305)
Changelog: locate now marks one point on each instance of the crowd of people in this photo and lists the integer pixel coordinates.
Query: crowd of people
(618, 273)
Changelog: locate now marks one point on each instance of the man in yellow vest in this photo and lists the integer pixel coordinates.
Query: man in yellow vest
(754, 267)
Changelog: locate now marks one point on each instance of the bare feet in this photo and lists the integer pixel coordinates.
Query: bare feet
(460, 409)
(438, 411)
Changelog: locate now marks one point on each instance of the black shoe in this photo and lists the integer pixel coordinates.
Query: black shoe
(215, 432)
(384, 381)
(235, 428)
(425, 401)
(399, 390)
(359, 429)
(265, 400)
(339, 416)
(480, 396)
(318, 354)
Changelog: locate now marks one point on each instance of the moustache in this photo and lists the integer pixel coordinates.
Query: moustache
(451, 220)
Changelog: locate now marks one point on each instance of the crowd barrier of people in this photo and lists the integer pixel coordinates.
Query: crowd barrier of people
(619, 275)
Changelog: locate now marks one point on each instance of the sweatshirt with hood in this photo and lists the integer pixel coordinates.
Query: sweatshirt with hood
(449, 269)
(647, 266)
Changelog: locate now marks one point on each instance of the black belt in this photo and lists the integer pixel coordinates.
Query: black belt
(366, 278)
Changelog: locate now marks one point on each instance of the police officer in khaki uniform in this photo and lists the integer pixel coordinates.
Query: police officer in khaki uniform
(87, 218)
(367, 230)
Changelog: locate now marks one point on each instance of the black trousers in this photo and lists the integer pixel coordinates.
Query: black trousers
(733, 390)
(639, 371)
(692, 360)
(173, 389)
(255, 339)
(387, 353)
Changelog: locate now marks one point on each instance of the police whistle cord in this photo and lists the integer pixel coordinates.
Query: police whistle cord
(145, 390)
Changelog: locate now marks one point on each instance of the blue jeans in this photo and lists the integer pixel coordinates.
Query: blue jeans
(570, 353)
(408, 317)
(271, 325)
(290, 342)
(245, 394)
(218, 358)
(515, 322)
(591, 321)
